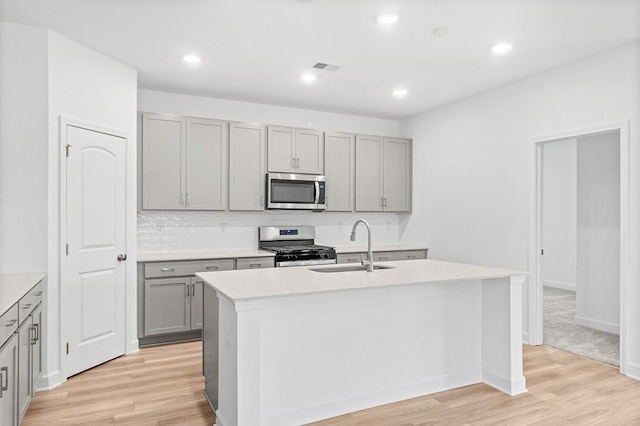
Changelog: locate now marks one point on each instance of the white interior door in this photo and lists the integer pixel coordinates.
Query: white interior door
(93, 281)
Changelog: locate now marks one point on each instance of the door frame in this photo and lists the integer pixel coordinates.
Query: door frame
(131, 341)
(535, 296)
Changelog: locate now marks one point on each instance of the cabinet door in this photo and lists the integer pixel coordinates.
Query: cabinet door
(309, 151)
(162, 162)
(196, 303)
(246, 166)
(206, 164)
(24, 367)
(339, 169)
(167, 305)
(8, 382)
(397, 175)
(36, 346)
(281, 148)
(369, 151)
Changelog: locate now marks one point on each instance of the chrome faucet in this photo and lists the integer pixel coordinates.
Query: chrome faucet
(369, 251)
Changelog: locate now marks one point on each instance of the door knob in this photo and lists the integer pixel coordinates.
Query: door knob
(122, 257)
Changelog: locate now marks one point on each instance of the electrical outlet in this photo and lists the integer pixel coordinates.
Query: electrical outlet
(160, 227)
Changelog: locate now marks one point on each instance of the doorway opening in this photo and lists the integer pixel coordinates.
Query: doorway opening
(579, 244)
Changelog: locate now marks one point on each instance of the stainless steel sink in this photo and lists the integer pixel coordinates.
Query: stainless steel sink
(350, 268)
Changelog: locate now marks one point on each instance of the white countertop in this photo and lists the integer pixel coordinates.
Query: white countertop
(195, 255)
(376, 248)
(278, 282)
(14, 286)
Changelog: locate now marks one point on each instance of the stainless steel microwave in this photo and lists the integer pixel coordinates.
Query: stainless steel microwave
(295, 191)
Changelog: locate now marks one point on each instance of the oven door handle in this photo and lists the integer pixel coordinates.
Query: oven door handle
(317, 192)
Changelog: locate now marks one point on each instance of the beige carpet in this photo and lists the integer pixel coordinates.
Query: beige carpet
(561, 332)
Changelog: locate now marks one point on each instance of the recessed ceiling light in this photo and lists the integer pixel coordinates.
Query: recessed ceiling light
(399, 93)
(308, 77)
(191, 59)
(387, 19)
(501, 48)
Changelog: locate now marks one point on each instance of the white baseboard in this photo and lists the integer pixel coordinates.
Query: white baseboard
(560, 285)
(633, 371)
(49, 381)
(598, 325)
(509, 386)
(349, 405)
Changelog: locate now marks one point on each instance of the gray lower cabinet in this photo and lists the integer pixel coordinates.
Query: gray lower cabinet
(8, 382)
(24, 366)
(167, 305)
(383, 256)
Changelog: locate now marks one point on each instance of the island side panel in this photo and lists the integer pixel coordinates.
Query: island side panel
(210, 333)
(329, 354)
(502, 334)
(239, 363)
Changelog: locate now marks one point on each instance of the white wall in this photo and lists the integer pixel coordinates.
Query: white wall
(198, 231)
(471, 191)
(598, 237)
(222, 109)
(90, 88)
(559, 216)
(23, 148)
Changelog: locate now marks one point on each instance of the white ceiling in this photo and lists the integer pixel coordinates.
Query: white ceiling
(256, 50)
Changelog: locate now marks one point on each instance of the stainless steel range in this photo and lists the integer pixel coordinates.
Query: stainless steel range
(294, 246)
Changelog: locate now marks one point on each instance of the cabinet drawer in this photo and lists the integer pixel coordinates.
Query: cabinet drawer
(349, 258)
(8, 324)
(387, 256)
(29, 301)
(255, 262)
(176, 269)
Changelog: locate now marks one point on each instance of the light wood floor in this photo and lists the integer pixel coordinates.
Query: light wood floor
(163, 385)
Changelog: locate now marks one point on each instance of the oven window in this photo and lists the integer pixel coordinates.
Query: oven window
(289, 191)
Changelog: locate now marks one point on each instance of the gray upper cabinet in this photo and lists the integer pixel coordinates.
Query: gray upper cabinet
(383, 174)
(206, 164)
(162, 162)
(247, 169)
(339, 152)
(291, 150)
(397, 175)
(369, 151)
(184, 163)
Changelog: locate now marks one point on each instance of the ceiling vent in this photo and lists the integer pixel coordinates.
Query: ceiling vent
(326, 67)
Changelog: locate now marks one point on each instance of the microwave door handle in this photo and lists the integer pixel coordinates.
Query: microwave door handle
(317, 192)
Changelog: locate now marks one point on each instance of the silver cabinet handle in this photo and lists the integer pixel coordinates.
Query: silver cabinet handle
(381, 202)
(10, 323)
(182, 198)
(293, 162)
(212, 267)
(188, 289)
(39, 293)
(33, 335)
(255, 265)
(351, 259)
(261, 200)
(298, 163)
(36, 327)
(168, 269)
(4, 383)
(411, 256)
(193, 289)
(27, 306)
(188, 202)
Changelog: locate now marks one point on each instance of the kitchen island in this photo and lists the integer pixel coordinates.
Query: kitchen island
(293, 345)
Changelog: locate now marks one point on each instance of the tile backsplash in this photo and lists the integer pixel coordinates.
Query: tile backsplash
(176, 231)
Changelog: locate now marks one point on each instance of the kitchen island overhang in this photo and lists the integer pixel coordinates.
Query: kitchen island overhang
(291, 345)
